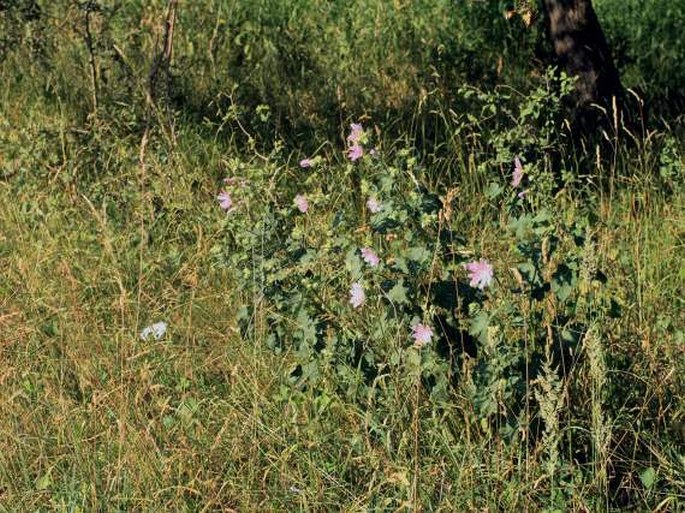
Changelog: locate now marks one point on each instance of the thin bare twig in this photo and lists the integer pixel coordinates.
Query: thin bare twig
(163, 60)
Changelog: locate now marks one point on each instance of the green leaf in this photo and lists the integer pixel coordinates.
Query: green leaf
(398, 294)
(478, 327)
(187, 410)
(418, 254)
(648, 477)
(413, 359)
(310, 371)
(353, 264)
(306, 331)
(168, 421)
(44, 482)
(563, 282)
(493, 190)
(401, 265)
(529, 272)
(521, 226)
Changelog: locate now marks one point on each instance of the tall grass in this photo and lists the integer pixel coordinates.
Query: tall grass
(252, 402)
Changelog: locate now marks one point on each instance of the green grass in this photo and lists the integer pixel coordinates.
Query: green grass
(95, 245)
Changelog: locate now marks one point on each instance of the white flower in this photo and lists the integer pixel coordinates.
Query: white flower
(157, 330)
(373, 205)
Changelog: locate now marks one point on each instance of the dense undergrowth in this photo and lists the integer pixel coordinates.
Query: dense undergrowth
(390, 276)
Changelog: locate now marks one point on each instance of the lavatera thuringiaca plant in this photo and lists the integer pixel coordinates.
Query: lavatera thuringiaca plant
(353, 268)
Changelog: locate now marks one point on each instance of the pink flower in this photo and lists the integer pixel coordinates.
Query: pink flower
(301, 203)
(306, 163)
(355, 152)
(357, 295)
(518, 173)
(370, 257)
(356, 132)
(373, 205)
(225, 201)
(480, 273)
(422, 335)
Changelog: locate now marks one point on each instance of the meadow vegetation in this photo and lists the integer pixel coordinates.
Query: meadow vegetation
(392, 278)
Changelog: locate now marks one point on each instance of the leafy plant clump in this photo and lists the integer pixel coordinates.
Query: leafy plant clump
(368, 281)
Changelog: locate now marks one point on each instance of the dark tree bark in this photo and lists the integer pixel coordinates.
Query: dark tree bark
(582, 50)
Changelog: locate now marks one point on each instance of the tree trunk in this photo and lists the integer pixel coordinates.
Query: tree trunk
(582, 50)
